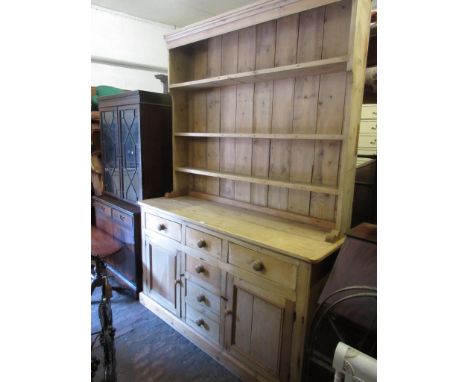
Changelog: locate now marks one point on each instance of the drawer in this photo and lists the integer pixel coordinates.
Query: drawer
(203, 270)
(366, 151)
(163, 226)
(104, 222)
(369, 111)
(368, 127)
(203, 242)
(201, 298)
(267, 266)
(202, 324)
(102, 209)
(367, 141)
(123, 233)
(122, 218)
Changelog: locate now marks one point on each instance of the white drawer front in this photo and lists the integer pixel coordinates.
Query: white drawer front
(367, 142)
(369, 112)
(368, 127)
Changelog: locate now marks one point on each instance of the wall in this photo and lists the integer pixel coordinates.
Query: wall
(126, 51)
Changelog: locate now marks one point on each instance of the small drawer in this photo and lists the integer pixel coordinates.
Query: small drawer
(104, 222)
(368, 127)
(202, 324)
(163, 226)
(268, 266)
(122, 218)
(369, 112)
(201, 298)
(102, 209)
(203, 271)
(367, 141)
(203, 242)
(366, 151)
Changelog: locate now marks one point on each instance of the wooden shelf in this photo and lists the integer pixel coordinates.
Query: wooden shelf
(317, 137)
(268, 182)
(329, 65)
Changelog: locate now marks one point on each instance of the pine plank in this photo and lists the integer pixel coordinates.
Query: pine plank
(330, 108)
(309, 48)
(229, 54)
(213, 100)
(283, 101)
(314, 137)
(263, 110)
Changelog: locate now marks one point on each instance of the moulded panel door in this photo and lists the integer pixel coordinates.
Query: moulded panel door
(110, 151)
(162, 273)
(129, 121)
(259, 328)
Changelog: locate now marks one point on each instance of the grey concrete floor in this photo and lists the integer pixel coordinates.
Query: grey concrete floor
(150, 350)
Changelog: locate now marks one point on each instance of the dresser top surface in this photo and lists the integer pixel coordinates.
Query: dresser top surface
(302, 241)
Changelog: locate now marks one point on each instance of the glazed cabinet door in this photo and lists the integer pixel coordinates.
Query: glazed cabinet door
(162, 273)
(110, 151)
(259, 328)
(129, 122)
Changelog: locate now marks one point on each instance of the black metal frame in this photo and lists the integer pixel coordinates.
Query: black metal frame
(107, 332)
(325, 312)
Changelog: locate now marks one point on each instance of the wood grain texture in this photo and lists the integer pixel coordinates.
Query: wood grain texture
(244, 112)
(263, 109)
(229, 54)
(213, 100)
(283, 102)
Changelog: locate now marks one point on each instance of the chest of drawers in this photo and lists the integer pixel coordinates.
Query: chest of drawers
(237, 283)
(122, 221)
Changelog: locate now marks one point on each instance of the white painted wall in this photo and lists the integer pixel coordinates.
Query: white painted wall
(120, 37)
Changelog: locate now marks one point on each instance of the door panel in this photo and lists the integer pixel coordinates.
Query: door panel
(129, 121)
(164, 270)
(110, 151)
(258, 331)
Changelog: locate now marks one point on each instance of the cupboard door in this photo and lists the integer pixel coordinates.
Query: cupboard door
(162, 281)
(110, 151)
(259, 328)
(129, 121)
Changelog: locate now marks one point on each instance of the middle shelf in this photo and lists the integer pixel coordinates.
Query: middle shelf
(264, 181)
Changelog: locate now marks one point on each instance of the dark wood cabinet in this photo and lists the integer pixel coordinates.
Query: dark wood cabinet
(136, 144)
(122, 220)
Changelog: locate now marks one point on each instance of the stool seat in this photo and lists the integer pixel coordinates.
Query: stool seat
(103, 244)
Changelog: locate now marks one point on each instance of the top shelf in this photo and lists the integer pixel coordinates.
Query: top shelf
(329, 65)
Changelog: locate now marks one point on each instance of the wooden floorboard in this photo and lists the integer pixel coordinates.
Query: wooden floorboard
(150, 350)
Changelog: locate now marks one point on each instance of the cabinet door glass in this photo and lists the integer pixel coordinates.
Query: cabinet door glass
(130, 146)
(110, 153)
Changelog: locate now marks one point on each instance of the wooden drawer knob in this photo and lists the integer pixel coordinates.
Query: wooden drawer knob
(201, 298)
(161, 227)
(199, 268)
(257, 266)
(201, 243)
(200, 322)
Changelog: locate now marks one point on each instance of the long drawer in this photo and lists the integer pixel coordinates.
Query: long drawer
(267, 266)
(367, 141)
(369, 111)
(368, 127)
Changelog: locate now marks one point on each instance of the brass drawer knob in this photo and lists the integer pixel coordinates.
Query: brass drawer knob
(200, 322)
(161, 227)
(201, 243)
(201, 298)
(257, 266)
(227, 312)
(178, 281)
(199, 268)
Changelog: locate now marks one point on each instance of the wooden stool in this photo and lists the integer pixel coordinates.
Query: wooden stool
(102, 246)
